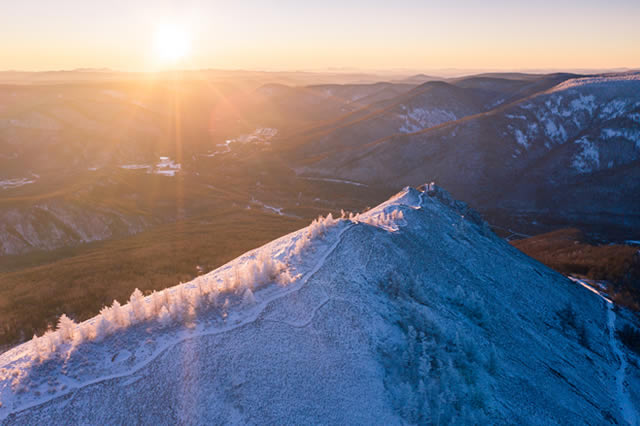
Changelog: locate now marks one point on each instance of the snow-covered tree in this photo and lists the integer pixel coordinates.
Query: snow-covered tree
(66, 328)
(37, 348)
(212, 299)
(49, 342)
(138, 306)
(102, 326)
(83, 333)
(158, 301)
(178, 302)
(119, 316)
(164, 318)
(197, 298)
(317, 229)
(248, 298)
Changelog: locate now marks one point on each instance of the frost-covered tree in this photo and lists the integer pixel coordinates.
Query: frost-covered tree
(49, 343)
(158, 300)
(197, 297)
(119, 316)
(178, 302)
(389, 220)
(317, 229)
(37, 348)
(66, 328)
(227, 282)
(248, 298)
(164, 318)
(138, 306)
(212, 299)
(83, 333)
(102, 326)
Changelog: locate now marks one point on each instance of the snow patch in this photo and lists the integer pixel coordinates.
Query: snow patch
(135, 166)
(519, 117)
(417, 119)
(632, 135)
(260, 135)
(614, 109)
(15, 182)
(348, 182)
(165, 166)
(521, 139)
(586, 103)
(588, 158)
(277, 210)
(555, 131)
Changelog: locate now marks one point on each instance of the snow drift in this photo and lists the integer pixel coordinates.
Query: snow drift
(411, 312)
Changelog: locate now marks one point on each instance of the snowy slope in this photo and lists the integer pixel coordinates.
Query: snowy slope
(411, 312)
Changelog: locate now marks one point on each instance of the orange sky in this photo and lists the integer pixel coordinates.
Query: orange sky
(289, 34)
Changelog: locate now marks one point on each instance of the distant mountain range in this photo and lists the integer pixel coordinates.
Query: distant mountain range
(557, 149)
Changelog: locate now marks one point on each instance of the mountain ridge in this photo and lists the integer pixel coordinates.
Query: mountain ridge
(590, 124)
(410, 312)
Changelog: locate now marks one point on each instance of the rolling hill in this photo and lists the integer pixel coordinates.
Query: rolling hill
(552, 157)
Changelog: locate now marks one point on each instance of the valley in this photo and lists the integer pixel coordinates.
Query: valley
(107, 185)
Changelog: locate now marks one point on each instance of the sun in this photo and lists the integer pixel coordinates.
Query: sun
(171, 43)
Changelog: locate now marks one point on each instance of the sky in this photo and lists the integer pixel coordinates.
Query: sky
(307, 34)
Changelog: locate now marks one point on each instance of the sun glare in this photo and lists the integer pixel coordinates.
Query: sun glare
(171, 43)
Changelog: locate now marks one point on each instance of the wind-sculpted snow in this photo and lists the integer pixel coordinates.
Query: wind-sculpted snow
(411, 312)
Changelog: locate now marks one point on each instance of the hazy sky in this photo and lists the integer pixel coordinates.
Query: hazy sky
(306, 34)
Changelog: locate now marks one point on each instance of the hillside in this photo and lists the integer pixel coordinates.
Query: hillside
(427, 105)
(552, 157)
(411, 312)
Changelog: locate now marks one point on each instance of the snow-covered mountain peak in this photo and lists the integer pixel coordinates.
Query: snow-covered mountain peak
(227, 295)
(410, 312)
